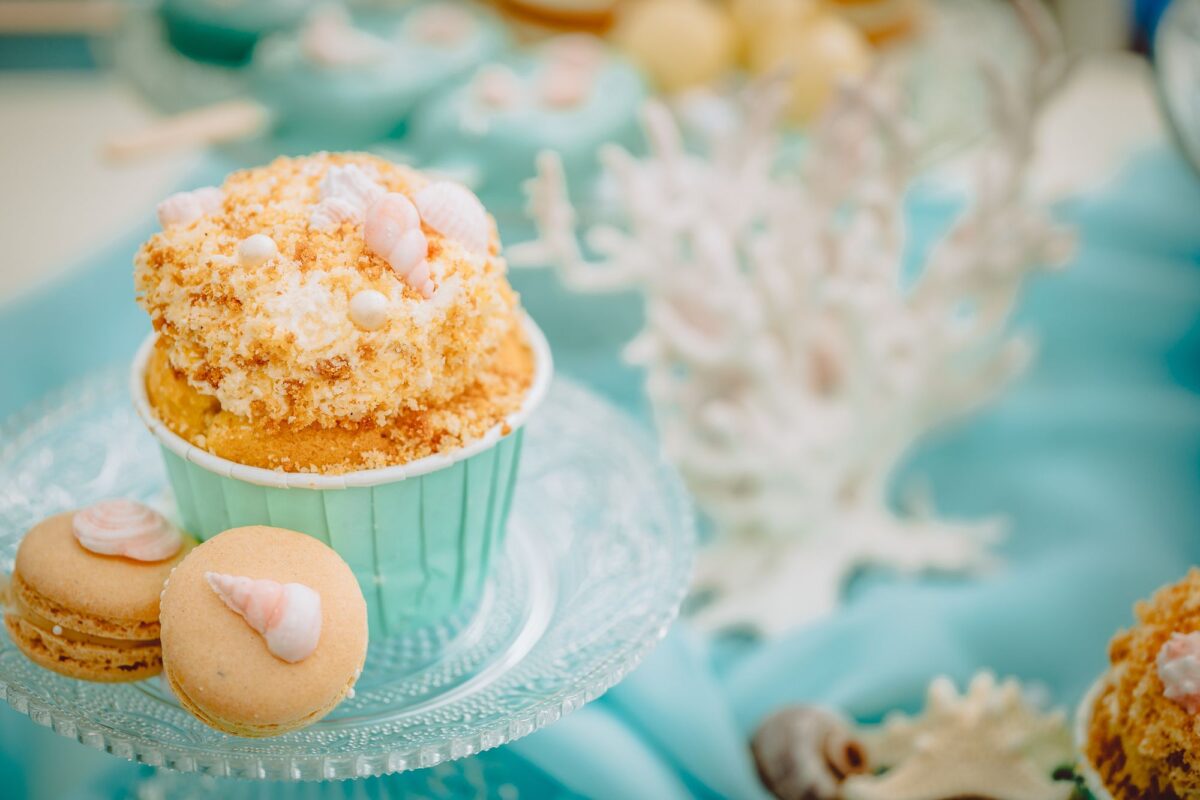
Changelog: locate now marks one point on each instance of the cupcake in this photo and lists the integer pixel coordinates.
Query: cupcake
(571, 94)
(340, 81)
(337, 351)
(1140, 727)
(883, 21)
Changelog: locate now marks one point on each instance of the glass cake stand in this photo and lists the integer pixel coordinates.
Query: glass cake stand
(597, 563)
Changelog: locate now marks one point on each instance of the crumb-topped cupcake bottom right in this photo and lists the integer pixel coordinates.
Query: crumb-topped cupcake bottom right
(1141, 725)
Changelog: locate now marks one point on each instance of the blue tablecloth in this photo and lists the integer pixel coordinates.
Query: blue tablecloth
(1094, 456)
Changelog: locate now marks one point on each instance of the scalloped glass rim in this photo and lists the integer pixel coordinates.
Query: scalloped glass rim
(571, 417)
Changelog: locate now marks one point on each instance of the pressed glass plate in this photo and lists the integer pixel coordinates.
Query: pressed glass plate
(598, 560)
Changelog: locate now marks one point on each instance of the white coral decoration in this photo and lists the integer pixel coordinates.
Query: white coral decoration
(987, 742)
(790, 363)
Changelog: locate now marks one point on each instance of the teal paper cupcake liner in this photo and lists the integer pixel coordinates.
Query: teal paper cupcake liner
(421, 537)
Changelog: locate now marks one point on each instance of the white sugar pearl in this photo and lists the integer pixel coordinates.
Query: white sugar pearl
(368, 309)
(257, 249)
(56, 630)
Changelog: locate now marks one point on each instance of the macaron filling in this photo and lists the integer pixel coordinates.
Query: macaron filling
(20, 608)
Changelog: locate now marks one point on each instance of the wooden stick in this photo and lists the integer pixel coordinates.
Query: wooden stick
(222, 122)
(44, 17)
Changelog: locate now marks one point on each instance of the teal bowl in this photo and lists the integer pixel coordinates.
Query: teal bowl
(421, 537)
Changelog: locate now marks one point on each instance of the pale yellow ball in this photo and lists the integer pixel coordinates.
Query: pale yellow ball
(679, 43)
(756, 17)
(817, 53)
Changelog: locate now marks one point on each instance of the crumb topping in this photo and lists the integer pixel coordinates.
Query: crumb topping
(1143, 743)
(269, 334)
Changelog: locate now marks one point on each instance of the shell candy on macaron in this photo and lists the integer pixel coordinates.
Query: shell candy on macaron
(84, 594)
(264, 631)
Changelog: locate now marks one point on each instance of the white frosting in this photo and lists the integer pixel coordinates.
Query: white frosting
(303, 305)
(1179, 669)
(184, 207)
(288, 615)
(368, 309)
(257, 249)
(126, 528)
(347, 191)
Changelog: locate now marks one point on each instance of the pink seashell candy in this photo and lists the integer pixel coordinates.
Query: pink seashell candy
(184, 207)
(564, 88)
(1179, 669)
(497, 87)
(392, 230)
(288, 615)
(456, 213)
(330, 39)
(579, 51)
(441, 23)
(126, 528)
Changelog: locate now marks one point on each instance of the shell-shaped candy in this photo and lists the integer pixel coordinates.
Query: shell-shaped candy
(564, 88)
(1179, 668)
(184, 207)
(392, 231)
(288, 615)
(126, 528)
(805, 753)
(347, 191)
(579, 51)
(456, 213)
(330, 39)
(497, 87)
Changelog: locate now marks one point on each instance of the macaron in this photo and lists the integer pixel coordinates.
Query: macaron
(83, 599)
(264, 631)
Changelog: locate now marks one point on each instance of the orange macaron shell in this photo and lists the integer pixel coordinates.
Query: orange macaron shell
(220, 667)
(82, 614)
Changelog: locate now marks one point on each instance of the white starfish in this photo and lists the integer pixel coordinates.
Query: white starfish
(987, 742)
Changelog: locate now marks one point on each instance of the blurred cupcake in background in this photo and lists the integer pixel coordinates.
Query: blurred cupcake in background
(882, 21)
(340, 81)
(571, 94)
(338, 351)
(538, 18)
(1140, 726)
